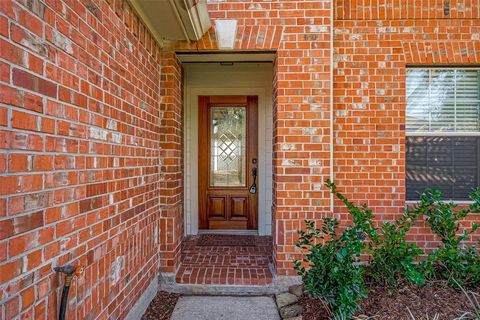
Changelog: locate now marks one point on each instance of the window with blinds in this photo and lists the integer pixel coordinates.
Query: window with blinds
(443, 131)
(443, 100)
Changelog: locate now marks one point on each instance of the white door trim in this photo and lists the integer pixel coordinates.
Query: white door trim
(264, 182)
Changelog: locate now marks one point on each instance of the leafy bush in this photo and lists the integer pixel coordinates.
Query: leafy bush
(331, 269)
(333, 272)
(453, 260)
(392, 258)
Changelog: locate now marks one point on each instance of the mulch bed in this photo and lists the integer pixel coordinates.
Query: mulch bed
(436, 301)
(161, 307)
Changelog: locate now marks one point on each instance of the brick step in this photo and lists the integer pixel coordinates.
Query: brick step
(232, 265)
(226, 265)
(223, 265)
(220, 254)
(228, 251)
(202, 259)
(232, 255)
(222, 260)
(223, 275)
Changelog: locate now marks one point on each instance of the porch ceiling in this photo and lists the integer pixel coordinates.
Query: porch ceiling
(174, 19)
(267, 56)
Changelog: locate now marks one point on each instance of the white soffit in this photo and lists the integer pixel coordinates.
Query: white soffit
(227, 57)
(174, 19)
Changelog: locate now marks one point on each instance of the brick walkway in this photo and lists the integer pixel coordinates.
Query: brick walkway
(245, 264)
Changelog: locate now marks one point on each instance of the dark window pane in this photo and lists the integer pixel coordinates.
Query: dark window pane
(450, 164)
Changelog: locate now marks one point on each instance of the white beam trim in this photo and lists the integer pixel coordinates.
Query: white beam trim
(226, 57)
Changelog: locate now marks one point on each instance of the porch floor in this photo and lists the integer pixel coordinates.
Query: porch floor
(226, 260)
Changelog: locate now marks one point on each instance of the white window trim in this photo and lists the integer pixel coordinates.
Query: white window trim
(442, 134)
(459, 202)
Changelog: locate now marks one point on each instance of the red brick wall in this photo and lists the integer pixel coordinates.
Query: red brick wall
(82, 133)
(300, 33)
(91, 159)
(373, 43)
(171, 153)
(373, 47)
(406, 9)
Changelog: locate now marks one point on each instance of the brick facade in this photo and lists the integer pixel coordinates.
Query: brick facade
(372, 45)
(299, 31)
(91, 131)
(372, 51)
(83, 130)
(171, 155)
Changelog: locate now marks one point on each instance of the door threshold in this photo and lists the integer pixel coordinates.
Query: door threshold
(232, 232)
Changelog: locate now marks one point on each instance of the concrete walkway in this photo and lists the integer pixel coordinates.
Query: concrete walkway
(228, 308)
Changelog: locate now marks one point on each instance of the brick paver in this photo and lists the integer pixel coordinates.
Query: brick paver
(226, 265)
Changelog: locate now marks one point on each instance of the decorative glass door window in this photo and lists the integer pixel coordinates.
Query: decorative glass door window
(228, 146)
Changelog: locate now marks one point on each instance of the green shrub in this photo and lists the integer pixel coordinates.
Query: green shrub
(333, 272)
(331, 269)
(393, 259)
(453, 260)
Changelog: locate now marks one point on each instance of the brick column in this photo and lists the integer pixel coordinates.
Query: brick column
(301, 146)
(171, 158)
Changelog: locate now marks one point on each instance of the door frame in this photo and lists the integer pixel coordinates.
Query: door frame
(251, 103)
(264, 94)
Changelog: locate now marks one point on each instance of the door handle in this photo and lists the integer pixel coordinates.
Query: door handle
(253, 187)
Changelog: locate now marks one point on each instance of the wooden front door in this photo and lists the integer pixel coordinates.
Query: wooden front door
(228, 157)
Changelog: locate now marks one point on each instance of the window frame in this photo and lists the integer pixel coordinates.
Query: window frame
(439, 133)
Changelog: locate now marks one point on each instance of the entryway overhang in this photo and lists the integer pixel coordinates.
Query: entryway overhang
(238, 56)
(184, 20)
